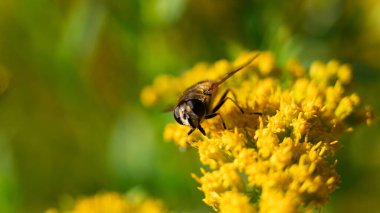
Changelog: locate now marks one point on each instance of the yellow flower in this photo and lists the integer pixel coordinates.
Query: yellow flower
(344, 74)
(266, 63)
(113, 202)
(234, 202)
(282, 161)
(295, 68)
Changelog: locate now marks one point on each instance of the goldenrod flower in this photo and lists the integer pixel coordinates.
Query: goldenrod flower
(234, 202)
(113, 202)
(282, 161)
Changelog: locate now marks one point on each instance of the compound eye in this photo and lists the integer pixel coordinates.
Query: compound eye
(198, 107)
(178, 116)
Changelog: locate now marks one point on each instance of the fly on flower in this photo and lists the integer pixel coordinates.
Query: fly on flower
(195, 104)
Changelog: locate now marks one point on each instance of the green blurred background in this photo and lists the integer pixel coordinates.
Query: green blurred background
(71, 122)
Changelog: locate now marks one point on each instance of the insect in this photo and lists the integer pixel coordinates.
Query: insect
(196, 102)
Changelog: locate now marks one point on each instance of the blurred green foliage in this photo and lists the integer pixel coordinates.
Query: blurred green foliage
(71, 122)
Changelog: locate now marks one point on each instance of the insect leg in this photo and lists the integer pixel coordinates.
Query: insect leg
(191, 131)
(200, 129)
(215, 114)
(223, 99)
(220, 103)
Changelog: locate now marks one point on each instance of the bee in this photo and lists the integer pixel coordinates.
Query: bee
(196, 102)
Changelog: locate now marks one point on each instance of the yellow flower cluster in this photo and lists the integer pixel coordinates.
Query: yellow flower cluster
(282, 161)
(114, 203)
